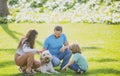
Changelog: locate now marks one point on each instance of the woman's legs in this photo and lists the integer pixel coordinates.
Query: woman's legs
(25, 60)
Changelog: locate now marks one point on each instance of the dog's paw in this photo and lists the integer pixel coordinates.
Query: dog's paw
(38, 69)
(57, 72)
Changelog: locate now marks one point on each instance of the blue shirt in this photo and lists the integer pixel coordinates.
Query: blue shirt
(54, 44)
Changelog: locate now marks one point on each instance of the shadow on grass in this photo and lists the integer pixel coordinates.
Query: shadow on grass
(37, 74)
(107, 60)
(18, 74)
(92, 47)
(8, 49)
(6, 63)
(10, 32)
(104, 71)
(104, 60)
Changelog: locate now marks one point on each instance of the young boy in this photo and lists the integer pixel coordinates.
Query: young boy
(78, 62)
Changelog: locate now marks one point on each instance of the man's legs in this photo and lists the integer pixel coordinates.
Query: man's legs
(65, 56)
(55, 61)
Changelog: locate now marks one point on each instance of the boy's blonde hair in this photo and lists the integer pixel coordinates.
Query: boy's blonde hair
(75, 48)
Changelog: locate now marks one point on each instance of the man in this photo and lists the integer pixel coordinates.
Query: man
(57, 45)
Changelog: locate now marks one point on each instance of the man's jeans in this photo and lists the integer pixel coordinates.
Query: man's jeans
(65, 56)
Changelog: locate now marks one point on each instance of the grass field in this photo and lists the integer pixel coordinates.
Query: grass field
(100, 44)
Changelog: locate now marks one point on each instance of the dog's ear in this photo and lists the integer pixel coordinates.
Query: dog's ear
(41, 59)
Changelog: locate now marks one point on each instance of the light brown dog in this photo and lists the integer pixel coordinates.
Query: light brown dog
(46, 66)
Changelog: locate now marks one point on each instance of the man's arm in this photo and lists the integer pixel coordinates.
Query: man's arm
(66, 46)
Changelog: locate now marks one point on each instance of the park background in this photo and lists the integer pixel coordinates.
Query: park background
(94, 24)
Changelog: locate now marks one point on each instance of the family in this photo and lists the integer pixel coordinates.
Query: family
(59, 48)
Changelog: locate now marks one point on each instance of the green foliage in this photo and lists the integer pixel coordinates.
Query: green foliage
(43, 1)
(97, 11)
(34, 4)
(82, 1)
(13, 2)
(69, 5)
(6, 19)
(3, 20)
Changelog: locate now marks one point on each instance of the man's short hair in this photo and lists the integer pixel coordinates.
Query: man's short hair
(58, 28)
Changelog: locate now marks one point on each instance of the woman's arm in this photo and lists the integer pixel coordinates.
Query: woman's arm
(28, 49)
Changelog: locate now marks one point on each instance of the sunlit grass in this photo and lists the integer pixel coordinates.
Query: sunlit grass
(100, 44)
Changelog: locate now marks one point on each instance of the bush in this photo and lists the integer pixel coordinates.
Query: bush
(3, 20)
(13, 2)
(91, 11)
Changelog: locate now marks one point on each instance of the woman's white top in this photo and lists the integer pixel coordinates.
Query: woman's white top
(25, 49)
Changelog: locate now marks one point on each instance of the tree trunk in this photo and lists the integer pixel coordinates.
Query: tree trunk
(3, 8)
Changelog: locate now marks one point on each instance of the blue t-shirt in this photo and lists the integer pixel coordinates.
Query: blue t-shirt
(54, 44)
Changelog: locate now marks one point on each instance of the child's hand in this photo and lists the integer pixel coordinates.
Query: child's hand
(63, 68)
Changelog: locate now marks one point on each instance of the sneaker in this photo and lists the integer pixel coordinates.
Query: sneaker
(20, 69)
(28, 71)
(81, 72)
(33, 71)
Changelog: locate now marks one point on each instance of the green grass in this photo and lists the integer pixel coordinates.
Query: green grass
(100, 44)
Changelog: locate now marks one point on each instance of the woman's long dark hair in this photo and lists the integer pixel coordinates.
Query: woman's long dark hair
(28, 39)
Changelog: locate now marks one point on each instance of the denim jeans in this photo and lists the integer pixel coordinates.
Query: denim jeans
(75, 67)
(65, 56)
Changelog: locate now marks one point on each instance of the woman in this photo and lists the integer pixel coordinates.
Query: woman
(24, 56)
(57, 45)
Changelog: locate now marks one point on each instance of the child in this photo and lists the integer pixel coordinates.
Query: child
(78, 62)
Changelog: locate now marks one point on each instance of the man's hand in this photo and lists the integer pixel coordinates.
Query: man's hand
(62, 49)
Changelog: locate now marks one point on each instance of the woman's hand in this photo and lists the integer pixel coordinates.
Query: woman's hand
(39, 52)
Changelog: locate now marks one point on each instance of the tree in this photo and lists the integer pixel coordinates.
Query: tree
(3, 8)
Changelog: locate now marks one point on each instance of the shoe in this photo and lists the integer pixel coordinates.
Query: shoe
(33, 71)
(28, 71)
(81, 72)
(20, 69)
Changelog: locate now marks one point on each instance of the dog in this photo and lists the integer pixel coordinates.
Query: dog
(46, 67)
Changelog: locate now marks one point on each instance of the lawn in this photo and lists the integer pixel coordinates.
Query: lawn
(100, 44)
